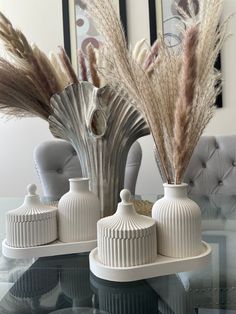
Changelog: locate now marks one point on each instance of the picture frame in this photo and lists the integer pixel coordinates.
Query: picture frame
(74, 21)
(155, 19)
(172, 24)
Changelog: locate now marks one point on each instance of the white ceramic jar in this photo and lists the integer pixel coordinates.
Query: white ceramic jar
(126, 238)
(78, 213)
(178, 223)
(31, 224)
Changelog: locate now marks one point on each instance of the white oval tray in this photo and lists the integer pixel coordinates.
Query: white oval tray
(163, 266)
(54, 248)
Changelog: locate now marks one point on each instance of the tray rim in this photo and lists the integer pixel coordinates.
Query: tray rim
(159, 268)
(52, 249)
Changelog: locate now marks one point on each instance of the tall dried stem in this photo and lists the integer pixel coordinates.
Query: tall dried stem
(184, 105)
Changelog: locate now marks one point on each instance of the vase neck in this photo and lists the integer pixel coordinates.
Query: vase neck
(175, 191)
(79, 185)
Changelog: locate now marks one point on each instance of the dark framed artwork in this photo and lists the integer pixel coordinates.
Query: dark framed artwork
(79, 29)
(172, 25)
(155, 19)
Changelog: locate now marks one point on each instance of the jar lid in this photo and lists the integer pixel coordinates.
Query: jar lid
(32, 209)
(126, 223)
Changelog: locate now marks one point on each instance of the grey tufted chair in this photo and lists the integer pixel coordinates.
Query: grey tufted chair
(212, 169)
(56, 161)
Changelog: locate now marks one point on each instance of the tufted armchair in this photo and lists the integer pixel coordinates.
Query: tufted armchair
(56, 161)
(212, 169)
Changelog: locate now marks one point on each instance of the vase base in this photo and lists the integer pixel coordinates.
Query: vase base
(52, 249)
(163, 266)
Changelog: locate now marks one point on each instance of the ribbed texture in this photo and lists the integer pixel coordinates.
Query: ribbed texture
(178, 225)
(35, 282)
(126, 240)
(26, 227)
(32, 233)
(129, 298)
(75, 283)
(78, 213)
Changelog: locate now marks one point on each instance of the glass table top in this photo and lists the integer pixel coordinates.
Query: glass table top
(64, 284)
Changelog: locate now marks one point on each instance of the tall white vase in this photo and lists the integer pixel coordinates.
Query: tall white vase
(78, 212)
(178, 223)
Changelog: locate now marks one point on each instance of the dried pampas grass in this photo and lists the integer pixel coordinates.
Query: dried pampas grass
(28, 78)
(175, 90)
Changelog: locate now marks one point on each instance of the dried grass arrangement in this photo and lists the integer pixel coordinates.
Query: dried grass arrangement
(175, 90)
(29, 78)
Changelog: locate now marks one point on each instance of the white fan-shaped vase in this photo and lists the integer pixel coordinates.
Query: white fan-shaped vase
(178, 223)
(78, 212)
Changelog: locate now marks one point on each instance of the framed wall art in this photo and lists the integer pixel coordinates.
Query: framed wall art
(155, 19)
(79, 29)
(172, 23)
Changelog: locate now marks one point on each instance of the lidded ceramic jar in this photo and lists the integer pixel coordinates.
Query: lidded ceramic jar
(31, 224)
(126, 238)
(78, 212)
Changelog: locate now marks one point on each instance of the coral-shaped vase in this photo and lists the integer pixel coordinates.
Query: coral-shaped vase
(78, 212)
(178, 223)
(126, 238)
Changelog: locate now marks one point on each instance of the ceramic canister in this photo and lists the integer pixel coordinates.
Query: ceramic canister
(31, 224)
(126, 238)
(78, 212)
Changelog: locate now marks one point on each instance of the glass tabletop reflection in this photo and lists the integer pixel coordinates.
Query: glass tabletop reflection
(64, 284)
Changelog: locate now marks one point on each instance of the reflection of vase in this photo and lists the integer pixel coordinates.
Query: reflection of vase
(178, 223)
(102, 127)
(78, 213)
(74, 280)
(125, 298)
(35, 283)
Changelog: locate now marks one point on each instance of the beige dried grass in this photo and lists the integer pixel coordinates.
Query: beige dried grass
(28, 78)
(176, 91)
(92, 61)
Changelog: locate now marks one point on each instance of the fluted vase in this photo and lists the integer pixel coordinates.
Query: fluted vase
(178, 223)
(78, 212)
(101, 126)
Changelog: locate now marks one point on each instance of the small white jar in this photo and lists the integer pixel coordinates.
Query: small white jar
(126, 238)
(31, 224)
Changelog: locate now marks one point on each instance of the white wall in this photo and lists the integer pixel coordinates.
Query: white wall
(41, 22)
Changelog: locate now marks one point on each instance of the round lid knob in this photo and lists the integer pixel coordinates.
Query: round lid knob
(32, 197)
(31, 189)
(125, 196)
(125, 206)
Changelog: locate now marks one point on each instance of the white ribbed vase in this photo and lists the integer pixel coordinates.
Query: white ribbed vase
(126, 238)
(178, 223)
(78, 212)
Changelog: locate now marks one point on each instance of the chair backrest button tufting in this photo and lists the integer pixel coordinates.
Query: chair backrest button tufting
(59, 170)
(234, 163)
(220, 183)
